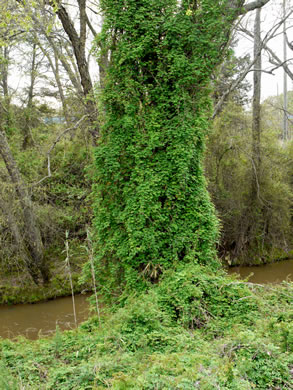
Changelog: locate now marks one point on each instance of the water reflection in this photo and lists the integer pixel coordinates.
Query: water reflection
(34, 320)
(269, 273)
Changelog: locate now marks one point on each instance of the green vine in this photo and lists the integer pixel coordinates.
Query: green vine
(152, 209)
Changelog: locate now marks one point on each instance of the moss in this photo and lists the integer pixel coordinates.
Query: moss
(16, 285)
(28, 293)
(272, 255)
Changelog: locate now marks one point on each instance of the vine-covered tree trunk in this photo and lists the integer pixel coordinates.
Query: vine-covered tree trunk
(152, 209)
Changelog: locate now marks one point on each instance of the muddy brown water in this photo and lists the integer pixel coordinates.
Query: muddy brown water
(34, 320)
(269, 273)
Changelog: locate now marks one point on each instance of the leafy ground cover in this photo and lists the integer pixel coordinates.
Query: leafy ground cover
(194, 330)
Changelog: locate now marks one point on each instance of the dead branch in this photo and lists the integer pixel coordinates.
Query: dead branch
(58, 138)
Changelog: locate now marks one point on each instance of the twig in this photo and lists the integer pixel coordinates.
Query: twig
(58, 139)
(269, 35)
(91, 257)
(53, 146)
(70, 276)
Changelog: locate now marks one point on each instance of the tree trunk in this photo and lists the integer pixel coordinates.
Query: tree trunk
(27, 139)
(32, 233)
(256, 108)
(4, 72)
(78, 44)
(6, 115)
(252, 220)
(152, 209)
(103, 62)
(55, 70)
(6, 209)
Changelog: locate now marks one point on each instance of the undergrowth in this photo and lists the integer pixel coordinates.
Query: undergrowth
(195, 330)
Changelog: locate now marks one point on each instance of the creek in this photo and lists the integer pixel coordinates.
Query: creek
(34, 320)
(268, 273)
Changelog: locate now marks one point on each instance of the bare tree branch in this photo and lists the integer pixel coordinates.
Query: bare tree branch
(58, 138)
(90, 26)
(269, 35)
(254, 5)
(274, 59)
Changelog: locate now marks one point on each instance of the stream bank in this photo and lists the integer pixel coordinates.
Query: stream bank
(238, 336)
(16, 286)
(42, 318)
(14, 291)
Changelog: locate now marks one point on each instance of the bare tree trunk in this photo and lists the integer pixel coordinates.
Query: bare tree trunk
(70, 57)
(256, 108)
(60, 88)
(55, 70)
(6, 209)
(285, 80)
(71, 74)
(32, 232)
(4, 72)
(251, 221)
(78, 44)
(6, 114)
(103, 62)
(28, 140)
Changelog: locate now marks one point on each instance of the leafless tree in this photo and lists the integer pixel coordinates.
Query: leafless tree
(32, 237)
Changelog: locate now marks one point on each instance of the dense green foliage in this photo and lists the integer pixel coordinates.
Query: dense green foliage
(217, 333)
(152, 209)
